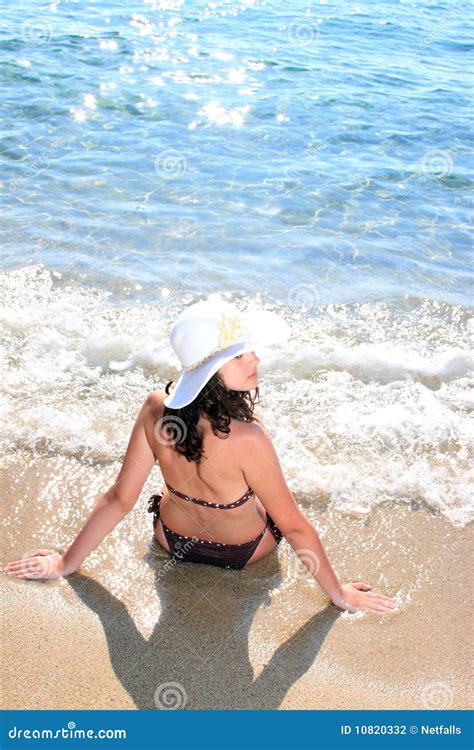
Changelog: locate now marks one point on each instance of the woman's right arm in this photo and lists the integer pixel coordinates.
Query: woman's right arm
(263, 473)
(112, 506)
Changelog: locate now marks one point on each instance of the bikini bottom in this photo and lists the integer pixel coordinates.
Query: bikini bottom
(191, 549)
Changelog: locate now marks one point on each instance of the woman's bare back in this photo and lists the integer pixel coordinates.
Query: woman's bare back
(218, 478)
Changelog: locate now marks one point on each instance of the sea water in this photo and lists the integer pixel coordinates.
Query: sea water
(308, 158)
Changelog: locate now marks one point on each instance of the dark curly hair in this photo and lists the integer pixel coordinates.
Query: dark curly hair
(219, 404)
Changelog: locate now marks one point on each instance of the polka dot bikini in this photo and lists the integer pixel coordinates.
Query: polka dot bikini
(191, 549)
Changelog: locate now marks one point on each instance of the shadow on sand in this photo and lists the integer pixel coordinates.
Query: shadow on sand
(200, 642)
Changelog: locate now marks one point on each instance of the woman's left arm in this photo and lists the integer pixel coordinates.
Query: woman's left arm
(112, 506)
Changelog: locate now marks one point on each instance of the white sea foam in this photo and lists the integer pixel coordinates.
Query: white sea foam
(364, 404)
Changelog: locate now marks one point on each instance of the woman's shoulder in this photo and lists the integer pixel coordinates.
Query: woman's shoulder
(253, 429)
(154, 402)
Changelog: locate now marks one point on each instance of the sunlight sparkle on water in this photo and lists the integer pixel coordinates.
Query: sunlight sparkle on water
(215, 112)
(142, 24)
(109, 44)
(218, 55)
(236, 75)
(79, 115)
(90, 101)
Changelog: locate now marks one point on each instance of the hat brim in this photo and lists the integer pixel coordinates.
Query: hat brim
(263, 328)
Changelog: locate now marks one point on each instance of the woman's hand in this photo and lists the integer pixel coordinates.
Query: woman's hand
(42, 563)
(356, 596)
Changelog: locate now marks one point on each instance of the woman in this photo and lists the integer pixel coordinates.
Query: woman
(210, 447)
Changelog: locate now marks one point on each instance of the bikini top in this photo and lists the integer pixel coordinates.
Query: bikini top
(240, 501)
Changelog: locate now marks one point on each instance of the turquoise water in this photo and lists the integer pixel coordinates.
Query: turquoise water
(314, 159)
(223, 141)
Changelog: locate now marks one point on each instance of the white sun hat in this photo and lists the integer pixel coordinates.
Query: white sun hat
(208, 334)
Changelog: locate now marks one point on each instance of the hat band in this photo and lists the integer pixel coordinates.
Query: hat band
(201, 361)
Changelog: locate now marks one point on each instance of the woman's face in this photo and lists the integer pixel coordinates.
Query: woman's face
(240, 373)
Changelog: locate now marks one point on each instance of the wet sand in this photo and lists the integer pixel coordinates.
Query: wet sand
(116, 633)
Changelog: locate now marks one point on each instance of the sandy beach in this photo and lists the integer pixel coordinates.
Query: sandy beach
(312, 161)
(113, 635)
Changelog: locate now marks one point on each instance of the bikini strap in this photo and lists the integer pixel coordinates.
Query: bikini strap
(223, 506)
